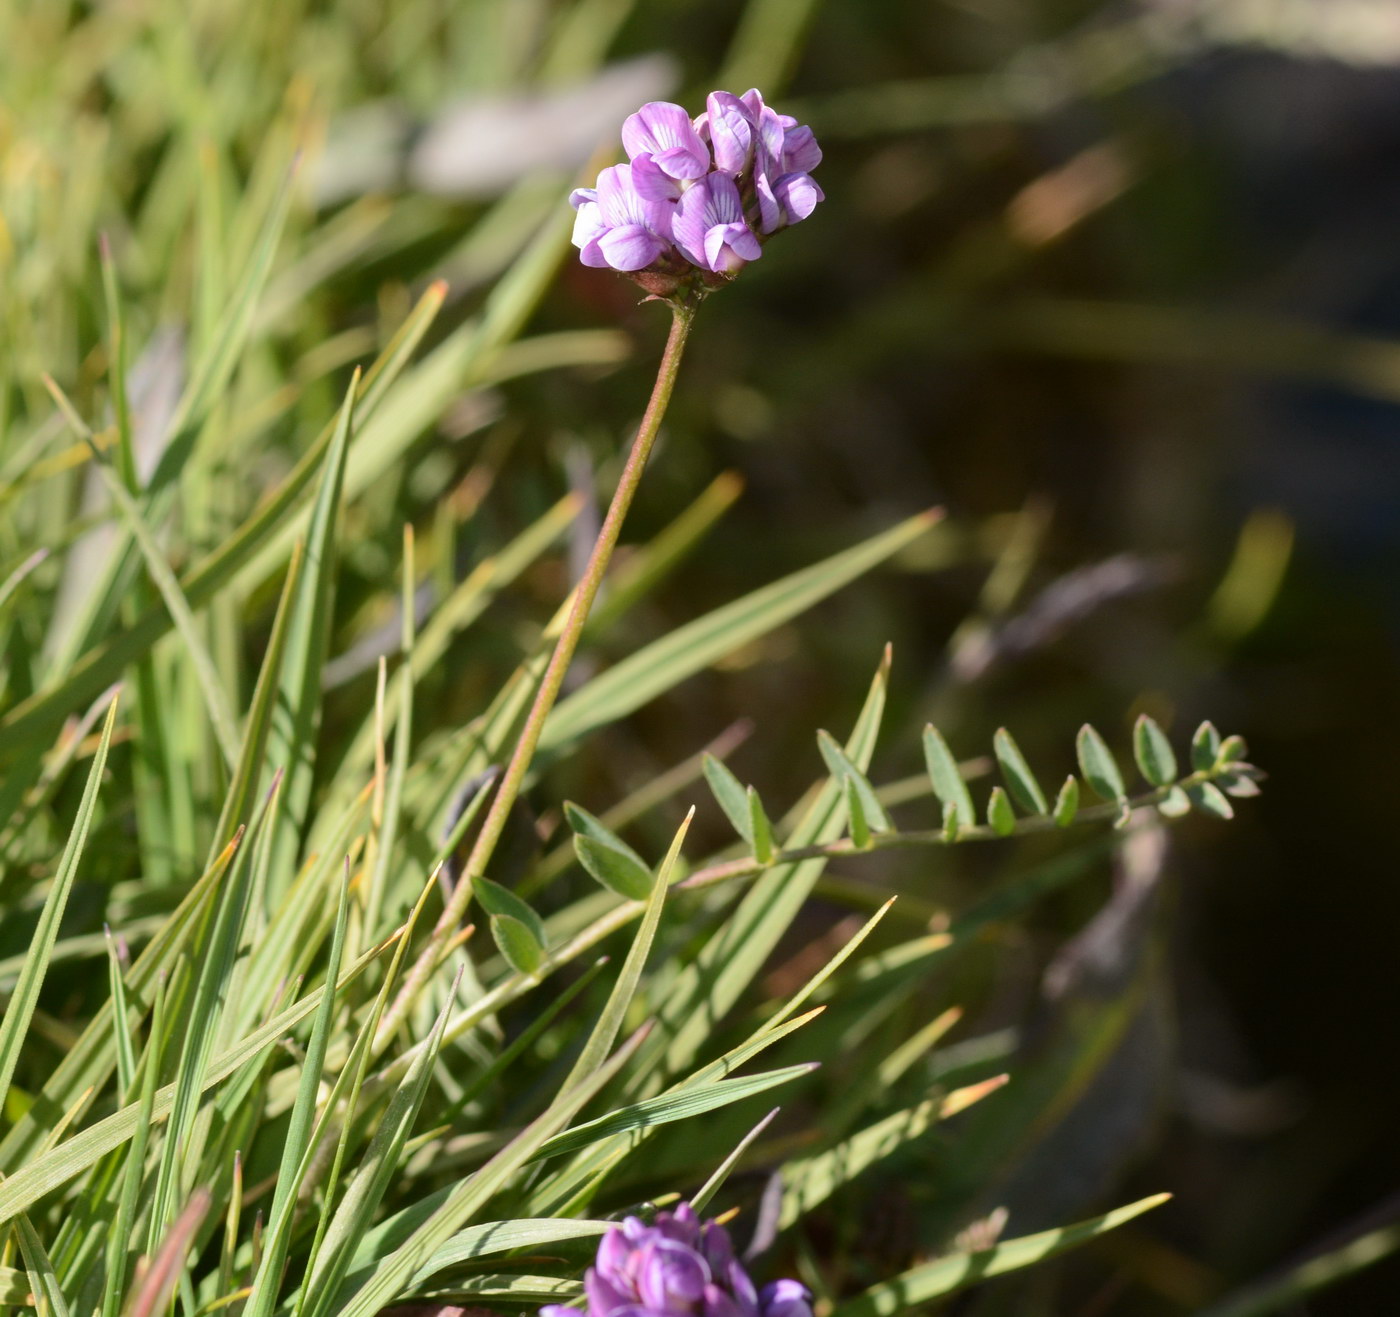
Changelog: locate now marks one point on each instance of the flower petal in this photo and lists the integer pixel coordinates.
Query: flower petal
(724, 205)
(715, 247)
(801, 154)
(717, 1247)
(690, 223)
(665, 131)
(651, 182)
(716, 1303)
(770, 142)
(785, 1298)
(605, 1296)
(770, 211)
(743, 243)
(630, 247)
(798, 195)
(731, 131)
(588, 224)
(742, 1288)
(671, 1276)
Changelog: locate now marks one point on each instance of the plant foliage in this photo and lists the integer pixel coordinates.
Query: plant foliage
(250, 724)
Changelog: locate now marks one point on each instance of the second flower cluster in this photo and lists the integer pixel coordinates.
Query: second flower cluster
(698, 194)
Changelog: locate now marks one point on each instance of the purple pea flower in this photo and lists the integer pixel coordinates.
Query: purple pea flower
(617, 226)
(710, 228)
(678, 1267)
(692, 206)
(664, 133)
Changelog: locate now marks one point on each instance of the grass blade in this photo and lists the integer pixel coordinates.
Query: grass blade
(366, 1189)
(950, 1274)
(292, 1171)
(46, 1172)
(119, 1240)
(600, 1041)
(181, 615)
(297, 709)
(706, 989)
(392, 1274)
(49, 1300)
(700, 1199)
(20, 1010)
(40, 714)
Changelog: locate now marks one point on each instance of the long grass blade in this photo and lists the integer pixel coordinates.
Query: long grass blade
(948, 1275)
(20, 1010)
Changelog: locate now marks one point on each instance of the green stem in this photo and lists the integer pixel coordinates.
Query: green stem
(553, 680)
(748, 866)
(516, 985)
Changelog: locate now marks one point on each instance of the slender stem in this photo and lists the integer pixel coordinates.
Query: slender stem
(553, 680)
(584, 596)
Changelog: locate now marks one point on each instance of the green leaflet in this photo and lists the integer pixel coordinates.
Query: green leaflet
(948, 784)
(1000, 817)
(863, 805)
(1098, 765)
(1016, 772)
(1155, 758)
(731, 796)
(1067, 802)
(606, 857)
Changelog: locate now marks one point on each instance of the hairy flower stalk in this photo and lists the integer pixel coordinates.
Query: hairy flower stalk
(678, 1267)
(693, 205)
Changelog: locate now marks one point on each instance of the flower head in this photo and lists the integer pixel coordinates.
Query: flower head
(678, 1267)
(697, 198)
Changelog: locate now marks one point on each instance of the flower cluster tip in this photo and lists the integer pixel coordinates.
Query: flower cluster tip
(698, 197)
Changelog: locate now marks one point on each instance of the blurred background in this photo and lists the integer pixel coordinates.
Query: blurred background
(1116, 284)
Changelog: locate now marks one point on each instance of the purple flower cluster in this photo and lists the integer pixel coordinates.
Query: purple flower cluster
(698, 195)
(678, 1267)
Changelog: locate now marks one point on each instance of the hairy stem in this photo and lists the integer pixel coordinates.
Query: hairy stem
(553, 680)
